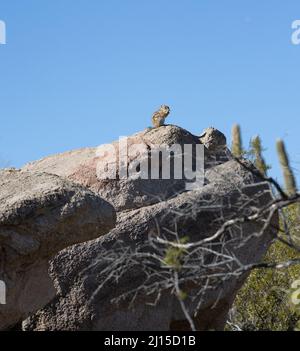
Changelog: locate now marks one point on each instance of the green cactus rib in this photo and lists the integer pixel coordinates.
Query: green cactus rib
(236, 149)
(289, 178)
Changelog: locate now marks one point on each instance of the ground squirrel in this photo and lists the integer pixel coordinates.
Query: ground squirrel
(158, 118)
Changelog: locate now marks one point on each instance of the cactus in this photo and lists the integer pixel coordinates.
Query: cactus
(289, 179)
(236, 148)
(256, 152)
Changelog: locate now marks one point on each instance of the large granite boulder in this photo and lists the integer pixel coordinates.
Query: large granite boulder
(97, 281)
(41, 214)
(82, 166)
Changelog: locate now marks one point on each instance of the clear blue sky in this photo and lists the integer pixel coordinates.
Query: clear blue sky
(81, 73)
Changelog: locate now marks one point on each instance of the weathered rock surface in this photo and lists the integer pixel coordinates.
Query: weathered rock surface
(41, 214)
(213, 139)
(82, 166)
(146, 209)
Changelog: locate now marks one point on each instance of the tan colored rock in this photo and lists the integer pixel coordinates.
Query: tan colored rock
(41, 214)
(143, 207)
(81, 165)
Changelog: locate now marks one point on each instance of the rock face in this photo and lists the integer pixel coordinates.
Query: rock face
(157, 208)
(41, 214)
(213, 139)
(82, 167)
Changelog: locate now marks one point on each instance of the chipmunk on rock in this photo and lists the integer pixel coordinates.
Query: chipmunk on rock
(158, 118)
